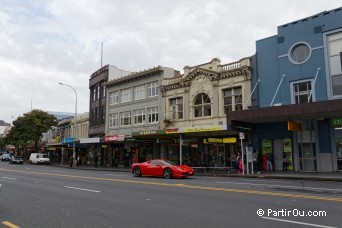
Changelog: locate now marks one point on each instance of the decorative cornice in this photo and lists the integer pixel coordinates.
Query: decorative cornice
(135, 75)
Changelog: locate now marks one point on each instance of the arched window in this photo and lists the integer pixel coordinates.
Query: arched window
(202, 105)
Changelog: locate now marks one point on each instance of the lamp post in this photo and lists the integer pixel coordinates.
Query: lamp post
(73, 147)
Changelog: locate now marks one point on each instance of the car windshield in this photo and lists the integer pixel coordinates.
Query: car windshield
(43, 156)
(17, 157)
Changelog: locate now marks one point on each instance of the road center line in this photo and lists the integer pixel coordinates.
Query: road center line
(82, 189)
(209, 188)
(7, 223)
(10, 178)
(282, 186)
(301, 223)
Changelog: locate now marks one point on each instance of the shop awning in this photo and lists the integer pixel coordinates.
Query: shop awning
(318, 110)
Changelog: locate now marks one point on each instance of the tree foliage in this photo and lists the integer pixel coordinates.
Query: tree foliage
(30, 127)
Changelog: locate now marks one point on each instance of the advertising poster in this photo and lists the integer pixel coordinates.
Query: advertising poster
(288, 151)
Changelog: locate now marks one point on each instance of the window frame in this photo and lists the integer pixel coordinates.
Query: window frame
(126, 95)
(153, 114)
(234, 97)
(294, 47)
(153, 89)
(176, 108)
(113, 120)
(114, 97)
(137, 114)
(292, 90)
(139, 92)
(201, 107)
(125, 115)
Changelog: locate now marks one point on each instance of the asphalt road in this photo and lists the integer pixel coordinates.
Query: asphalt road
(46, 196)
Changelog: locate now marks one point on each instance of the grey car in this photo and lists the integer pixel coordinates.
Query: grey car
(16, 160)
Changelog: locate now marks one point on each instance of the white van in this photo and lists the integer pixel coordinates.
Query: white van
(38, 158)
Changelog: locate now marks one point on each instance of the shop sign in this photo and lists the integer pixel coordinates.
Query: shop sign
(172, 130)
(68, 140)
(229, 140)
(294, 126)
(114, 138)
(336, 122)
(202, 129)
(153, 132)
(89, 140)
(218, 140)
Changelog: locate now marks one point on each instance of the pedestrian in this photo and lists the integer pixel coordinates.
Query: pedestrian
(269, 161)
(78, 161)
(255, 161)
(239, 163)
(285, 161)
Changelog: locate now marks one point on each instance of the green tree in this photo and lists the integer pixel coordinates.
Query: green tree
(29, 128)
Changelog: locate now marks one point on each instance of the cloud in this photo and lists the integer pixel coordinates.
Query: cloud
(46, 42)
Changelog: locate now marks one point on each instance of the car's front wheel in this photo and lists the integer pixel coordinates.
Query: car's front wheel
(137, 171)
(168, 173)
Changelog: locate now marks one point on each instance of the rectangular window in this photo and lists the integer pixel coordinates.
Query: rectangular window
(335, 62)
(104, 91)
(98, 91)
(139, 92)
(139, 116)
(113, 120)
(301, 92)
(232, 99)
(125, 118)
(153, 89)
(126, 95)
(152, 115)
(114, 98)
(176, 108)
(103, 111)
(94, 94)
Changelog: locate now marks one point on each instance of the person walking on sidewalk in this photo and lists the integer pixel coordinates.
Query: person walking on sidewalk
(269, 165)
(285, 161)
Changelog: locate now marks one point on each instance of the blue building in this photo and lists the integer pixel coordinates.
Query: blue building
(296, 97)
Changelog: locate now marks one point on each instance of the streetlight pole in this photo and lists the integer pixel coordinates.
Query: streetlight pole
(73, 147)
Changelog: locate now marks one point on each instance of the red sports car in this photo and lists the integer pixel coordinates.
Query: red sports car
(161, 168)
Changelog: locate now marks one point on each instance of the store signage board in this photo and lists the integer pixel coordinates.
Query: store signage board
(294, 126)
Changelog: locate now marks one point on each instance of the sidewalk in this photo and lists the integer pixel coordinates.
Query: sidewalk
(335, 176)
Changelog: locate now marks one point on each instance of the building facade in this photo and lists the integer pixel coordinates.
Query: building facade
(195, 105)
(97, 108)
(297, 107)
(133, 105)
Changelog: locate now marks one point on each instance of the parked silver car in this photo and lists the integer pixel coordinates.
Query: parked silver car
(16, 160)
(5, 157)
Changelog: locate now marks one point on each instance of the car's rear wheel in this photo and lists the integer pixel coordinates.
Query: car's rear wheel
(137, 171)
(168, 173)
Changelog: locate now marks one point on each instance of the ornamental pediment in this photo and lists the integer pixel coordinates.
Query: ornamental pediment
(211, 75)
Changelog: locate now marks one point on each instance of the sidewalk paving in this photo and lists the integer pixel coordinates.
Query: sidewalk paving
(335, 176)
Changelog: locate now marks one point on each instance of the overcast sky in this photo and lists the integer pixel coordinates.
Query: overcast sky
(44, 42)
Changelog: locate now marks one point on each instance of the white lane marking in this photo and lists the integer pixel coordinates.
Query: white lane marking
(10, 178)
(282, 186)
(258, 180)
(27, 168)
(301, 223)
(82, 189)
(116, 175)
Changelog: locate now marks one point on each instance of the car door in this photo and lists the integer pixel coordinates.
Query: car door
(155, 168)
